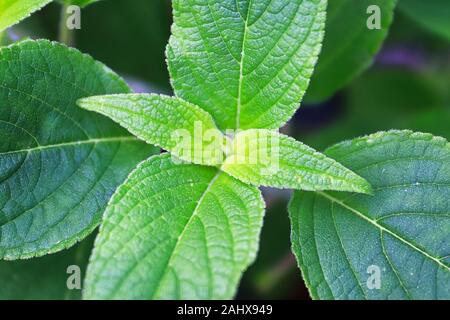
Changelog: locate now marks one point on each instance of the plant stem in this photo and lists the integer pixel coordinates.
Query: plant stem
(65, 35)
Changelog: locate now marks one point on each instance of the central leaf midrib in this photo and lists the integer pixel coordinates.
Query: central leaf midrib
(180, 237)
(241, 67)
(383, 228)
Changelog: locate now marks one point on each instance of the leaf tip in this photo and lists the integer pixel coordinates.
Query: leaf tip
(363, 186)
(86, 103)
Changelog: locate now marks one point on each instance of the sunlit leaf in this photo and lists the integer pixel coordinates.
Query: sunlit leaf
(247, 63)
(12, 11)
(264, 157)
(181, 231)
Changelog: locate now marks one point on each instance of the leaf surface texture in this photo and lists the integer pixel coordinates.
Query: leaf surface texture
(175, 231)
(12, 11)
(182, 128)
(246, 62)
(268, 158)
(59, 164)
(402, 230)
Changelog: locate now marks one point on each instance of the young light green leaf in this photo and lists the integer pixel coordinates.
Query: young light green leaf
(247, 63)
(46, 278)
(12, 11)
(433, 15)
(393, 245)
(349, 45)
(175, 231)
(182, 128)
(264, 157)
(59, 164)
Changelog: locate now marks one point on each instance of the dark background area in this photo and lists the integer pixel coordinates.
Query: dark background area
(407, 87)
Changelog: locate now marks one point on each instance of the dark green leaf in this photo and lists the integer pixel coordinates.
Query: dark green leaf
(349, 46)
(59, 164)
(402, 230)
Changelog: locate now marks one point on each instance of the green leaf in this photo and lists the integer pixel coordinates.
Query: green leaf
(80, 3)
(12, 11)
(432, 14)
(58, 164)
(175, 231)
(83, 3)
(263, 157)
(247, 63)
(402, 230)
(44, 278)
(349, 46)
(170, 123)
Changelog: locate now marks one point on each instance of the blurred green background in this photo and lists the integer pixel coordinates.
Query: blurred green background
(407, 87)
